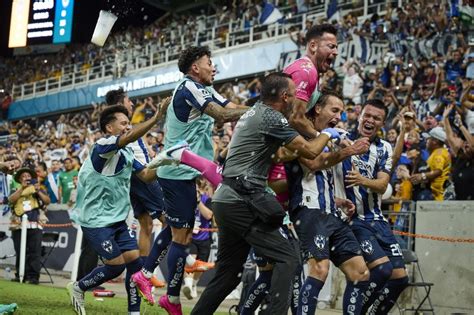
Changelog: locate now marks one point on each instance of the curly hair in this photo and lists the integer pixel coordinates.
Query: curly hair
(190, 55)
(108, 115)
(114, 97)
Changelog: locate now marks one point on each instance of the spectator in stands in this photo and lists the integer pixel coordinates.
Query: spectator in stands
(352, 85)
(455, 68)
(463, 153)
(28, 199)
(65, 181)
(439, 164)
(5, 105)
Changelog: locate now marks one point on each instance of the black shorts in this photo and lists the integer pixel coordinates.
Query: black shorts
(376, 241)
(202, 249)
(324, 236)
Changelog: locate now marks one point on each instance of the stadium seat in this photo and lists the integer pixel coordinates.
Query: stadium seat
(411, 258)
(48, 238)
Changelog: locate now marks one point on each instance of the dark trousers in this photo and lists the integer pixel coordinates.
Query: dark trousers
(238, 231)
(33, 253)
(87, 261)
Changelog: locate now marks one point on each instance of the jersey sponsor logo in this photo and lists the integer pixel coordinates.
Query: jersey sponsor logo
(362, 166)
(107, 246)
(367, 247)
(320, 241)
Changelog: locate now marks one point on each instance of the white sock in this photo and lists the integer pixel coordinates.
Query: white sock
(133, 313)
(77, 287)
(190, 260)
(188, 281)
(174, 299)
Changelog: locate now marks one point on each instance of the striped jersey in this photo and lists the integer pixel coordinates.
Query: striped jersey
(377, 159)
(314, 190)
(108, 159)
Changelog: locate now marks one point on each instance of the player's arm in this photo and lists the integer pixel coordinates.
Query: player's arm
(140, 130)
(236, 106)
(146, 175)
(224, 114)
(377, 185)
(299, 121)
(328, 159)
(311, 149)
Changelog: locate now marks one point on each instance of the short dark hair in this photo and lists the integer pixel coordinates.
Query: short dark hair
(273, 85)
(318, 31)
(108, 115)
(115, 97)
(190, 55)
(376, 103)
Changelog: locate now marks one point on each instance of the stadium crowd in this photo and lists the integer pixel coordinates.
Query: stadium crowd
(429, 98)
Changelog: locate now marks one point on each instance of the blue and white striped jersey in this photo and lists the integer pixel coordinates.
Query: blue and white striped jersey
(377, 159)
(107, 158)
(191, 99)
(140, 152)
(314, 190)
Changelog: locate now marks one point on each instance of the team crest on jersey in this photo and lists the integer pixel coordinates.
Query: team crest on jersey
(107, 246)
(284, 121)
(320, 241)
(367, 247)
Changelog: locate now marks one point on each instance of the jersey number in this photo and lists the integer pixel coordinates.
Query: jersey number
(396, 250)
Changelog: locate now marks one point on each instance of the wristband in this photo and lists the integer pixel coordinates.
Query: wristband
(423, 176)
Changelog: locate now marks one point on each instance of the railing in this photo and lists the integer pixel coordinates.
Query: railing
(151, 55)
(403, 221)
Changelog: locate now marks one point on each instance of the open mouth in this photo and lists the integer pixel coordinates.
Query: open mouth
(368, 128)
(328, 62)
(332, 124)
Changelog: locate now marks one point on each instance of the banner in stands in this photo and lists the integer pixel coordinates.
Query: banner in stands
(371, 53)
(257, 58)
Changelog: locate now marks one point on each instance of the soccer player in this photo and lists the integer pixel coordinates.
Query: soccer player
(366, 177)
(321, 51)
(190, 117)
(314, 211)
(103, 204)
(146, 198)
(247, 215)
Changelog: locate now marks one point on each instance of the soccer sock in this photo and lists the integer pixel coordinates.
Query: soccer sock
(352, 300)
(295, 293)
(99, 275)
(257, 292)
(309, 296)
(208, 169)
(379, 276)
(389, 295)
(158, 252)
(190, 260)
(133, 298)
(176, 261)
